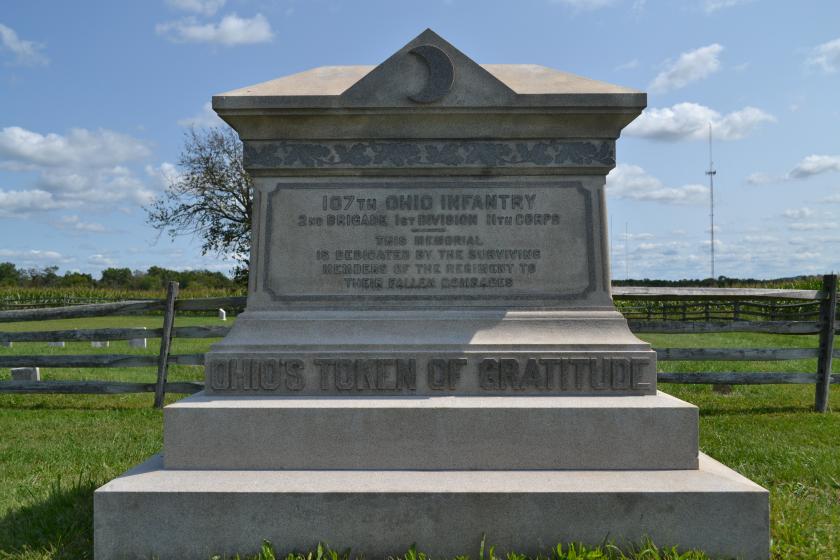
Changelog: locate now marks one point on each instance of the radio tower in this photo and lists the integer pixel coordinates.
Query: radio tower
(711, 173)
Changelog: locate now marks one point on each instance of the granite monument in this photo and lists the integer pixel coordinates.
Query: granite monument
(430, 352)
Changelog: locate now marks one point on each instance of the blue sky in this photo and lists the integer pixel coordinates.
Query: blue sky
(96, 96)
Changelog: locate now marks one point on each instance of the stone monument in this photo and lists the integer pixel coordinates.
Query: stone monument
(430, 352)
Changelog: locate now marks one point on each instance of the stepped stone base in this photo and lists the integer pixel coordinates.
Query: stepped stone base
(191, 514)
(653, 432)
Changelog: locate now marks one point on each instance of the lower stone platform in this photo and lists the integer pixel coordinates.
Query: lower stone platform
(191, 514)
(649, 432)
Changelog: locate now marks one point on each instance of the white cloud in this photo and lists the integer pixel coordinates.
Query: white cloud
(815, 165)
(691, 121)
(33, 256)
(230, 31)
(631, 181)
(808, 166)
(101, 260)
(714, 5)
(80, 147)
(164, 175)
(207, 118)
(805, 255)
(584, 4)
(832, 199)
(83, 167)
(26, 53)
(798, 213)
(812, 226)
(629, 65)
(204, 7)
(75, 223)
(826, 56)
(103, 186)
(761, 239)
(761, 178)
(21, 203)
(636, 236)
(689, 67)
(806, 219)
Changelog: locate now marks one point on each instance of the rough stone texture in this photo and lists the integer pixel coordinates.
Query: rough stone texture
(437, 433)
(193, 514)
(26, 374)
(137, 342)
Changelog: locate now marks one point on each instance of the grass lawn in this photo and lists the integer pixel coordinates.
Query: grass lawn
(55, 449)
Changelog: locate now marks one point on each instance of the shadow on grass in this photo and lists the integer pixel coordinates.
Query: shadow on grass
(56, 526)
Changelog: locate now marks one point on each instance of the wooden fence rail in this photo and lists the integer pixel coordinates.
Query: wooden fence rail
(818, 317)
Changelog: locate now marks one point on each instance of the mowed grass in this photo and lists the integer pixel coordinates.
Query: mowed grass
(56, 449)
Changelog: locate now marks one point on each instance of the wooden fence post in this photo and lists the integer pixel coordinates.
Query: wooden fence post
(828, 314)
(165, 342)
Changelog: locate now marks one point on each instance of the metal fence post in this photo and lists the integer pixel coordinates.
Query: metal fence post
(165, 343)
(828, 315)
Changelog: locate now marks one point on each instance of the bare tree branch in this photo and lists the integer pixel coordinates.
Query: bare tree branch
(211, 197)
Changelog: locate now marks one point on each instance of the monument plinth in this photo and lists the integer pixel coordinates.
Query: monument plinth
(429, 351)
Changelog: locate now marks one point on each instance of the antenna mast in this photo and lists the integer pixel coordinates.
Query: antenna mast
(711, 173)
(626, 258)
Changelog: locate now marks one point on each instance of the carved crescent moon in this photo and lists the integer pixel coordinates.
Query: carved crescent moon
(441, 74)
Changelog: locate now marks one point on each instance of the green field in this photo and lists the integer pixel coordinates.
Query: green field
(55, 449)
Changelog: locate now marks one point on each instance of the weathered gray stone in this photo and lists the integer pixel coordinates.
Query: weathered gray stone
(26, 374)
(435, 433)
(137, 342)
(61, 344)
(100, 343)
(429, 336)
(506, 223)
(495, 372)
(148, 511)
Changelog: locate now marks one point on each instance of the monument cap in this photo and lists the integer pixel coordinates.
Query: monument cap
(429, 75)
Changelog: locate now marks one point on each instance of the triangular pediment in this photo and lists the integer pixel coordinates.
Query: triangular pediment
(428, 71)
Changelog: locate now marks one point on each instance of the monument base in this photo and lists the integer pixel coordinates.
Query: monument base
(153, 512)
(650, 432)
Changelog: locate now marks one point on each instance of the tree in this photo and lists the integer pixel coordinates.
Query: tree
(9, 274)
(41, 277)
(116, 278)
(76, 280)
(210, 197)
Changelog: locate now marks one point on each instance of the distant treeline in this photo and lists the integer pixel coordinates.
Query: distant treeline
(812, 282)
(155, 278)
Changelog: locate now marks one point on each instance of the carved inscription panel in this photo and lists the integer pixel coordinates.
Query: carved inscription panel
(623, 373)
(416, 241)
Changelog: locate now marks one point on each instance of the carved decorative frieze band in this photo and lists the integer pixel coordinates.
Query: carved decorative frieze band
(425, 154)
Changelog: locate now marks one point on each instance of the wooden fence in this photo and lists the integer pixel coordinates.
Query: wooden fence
(649, 310)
